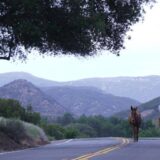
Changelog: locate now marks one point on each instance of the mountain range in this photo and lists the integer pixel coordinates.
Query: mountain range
(105, 96)
(55, 101)
(142, 89)
(8, 77)
(89, 100)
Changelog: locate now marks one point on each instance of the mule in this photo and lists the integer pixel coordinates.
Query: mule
(135, 122)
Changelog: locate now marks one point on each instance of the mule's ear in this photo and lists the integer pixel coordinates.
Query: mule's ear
(136, 108)
(131, 108)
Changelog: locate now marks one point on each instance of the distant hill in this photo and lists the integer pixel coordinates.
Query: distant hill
(55, 101)
(142, 89)
(149, 110)
(89, 100)
(6, 78)
(28, 94)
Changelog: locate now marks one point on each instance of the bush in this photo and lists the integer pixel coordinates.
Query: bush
(35, 132)
(32, 117)
(10, 108)
(84, 130)
(54, 130)
(13, 129)
(71, 132)
(19, 131)
(66, 119)
(152, 132)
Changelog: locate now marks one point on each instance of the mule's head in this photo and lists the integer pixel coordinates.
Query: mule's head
(133, 110)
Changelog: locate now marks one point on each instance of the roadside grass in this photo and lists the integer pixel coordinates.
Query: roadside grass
(35, 132)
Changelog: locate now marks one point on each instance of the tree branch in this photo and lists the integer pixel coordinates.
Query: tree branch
(5, 58)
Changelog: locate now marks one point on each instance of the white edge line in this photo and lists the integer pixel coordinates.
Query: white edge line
(8, 152)
(64, 142)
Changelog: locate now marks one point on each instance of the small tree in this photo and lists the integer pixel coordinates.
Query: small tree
(67, 118)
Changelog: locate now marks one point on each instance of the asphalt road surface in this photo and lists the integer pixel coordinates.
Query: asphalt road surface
(91, 149)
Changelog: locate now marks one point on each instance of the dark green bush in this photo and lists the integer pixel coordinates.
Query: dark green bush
(71, 132)
(54, 130)
(10, 108)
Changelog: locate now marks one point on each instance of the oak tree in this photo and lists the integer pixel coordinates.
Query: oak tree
(77, 27)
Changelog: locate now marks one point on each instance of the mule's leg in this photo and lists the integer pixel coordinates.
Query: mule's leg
(134, 133)
(137, 133)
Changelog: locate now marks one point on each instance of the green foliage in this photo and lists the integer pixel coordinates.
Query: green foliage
(32, 117)
(10, 108)
(147, 125)
(66, 126)
(66, 119)
(148, 129)
(151, 132)
(54, 130)
(99, 126)
(71, 132)
(82, 130)
(16, 129)
(59, 27)
(109, 126)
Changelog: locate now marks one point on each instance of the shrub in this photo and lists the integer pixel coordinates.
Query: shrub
(55, 130)
(13, 129)
(35, 132)
(71, 132)
(19, 131)
(84, 130)
(10, 108)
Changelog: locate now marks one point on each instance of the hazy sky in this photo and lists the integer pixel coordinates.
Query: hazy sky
(141, 57)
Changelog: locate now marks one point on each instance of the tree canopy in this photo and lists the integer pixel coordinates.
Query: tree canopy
(78, 27)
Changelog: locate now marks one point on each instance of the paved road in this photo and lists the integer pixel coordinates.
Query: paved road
(91, 149)
(145, 149)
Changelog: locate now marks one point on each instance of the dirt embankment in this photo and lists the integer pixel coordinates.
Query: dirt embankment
(8, 144)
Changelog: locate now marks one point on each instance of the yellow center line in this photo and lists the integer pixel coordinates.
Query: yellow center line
(101, 153)
(124, 141)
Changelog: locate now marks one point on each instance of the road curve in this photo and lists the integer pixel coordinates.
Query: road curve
(91, 149)
(63, 150)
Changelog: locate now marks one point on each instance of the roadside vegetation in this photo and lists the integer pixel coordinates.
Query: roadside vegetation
(21, 127)
(99, 126)
(18, 126)
(22, 133)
